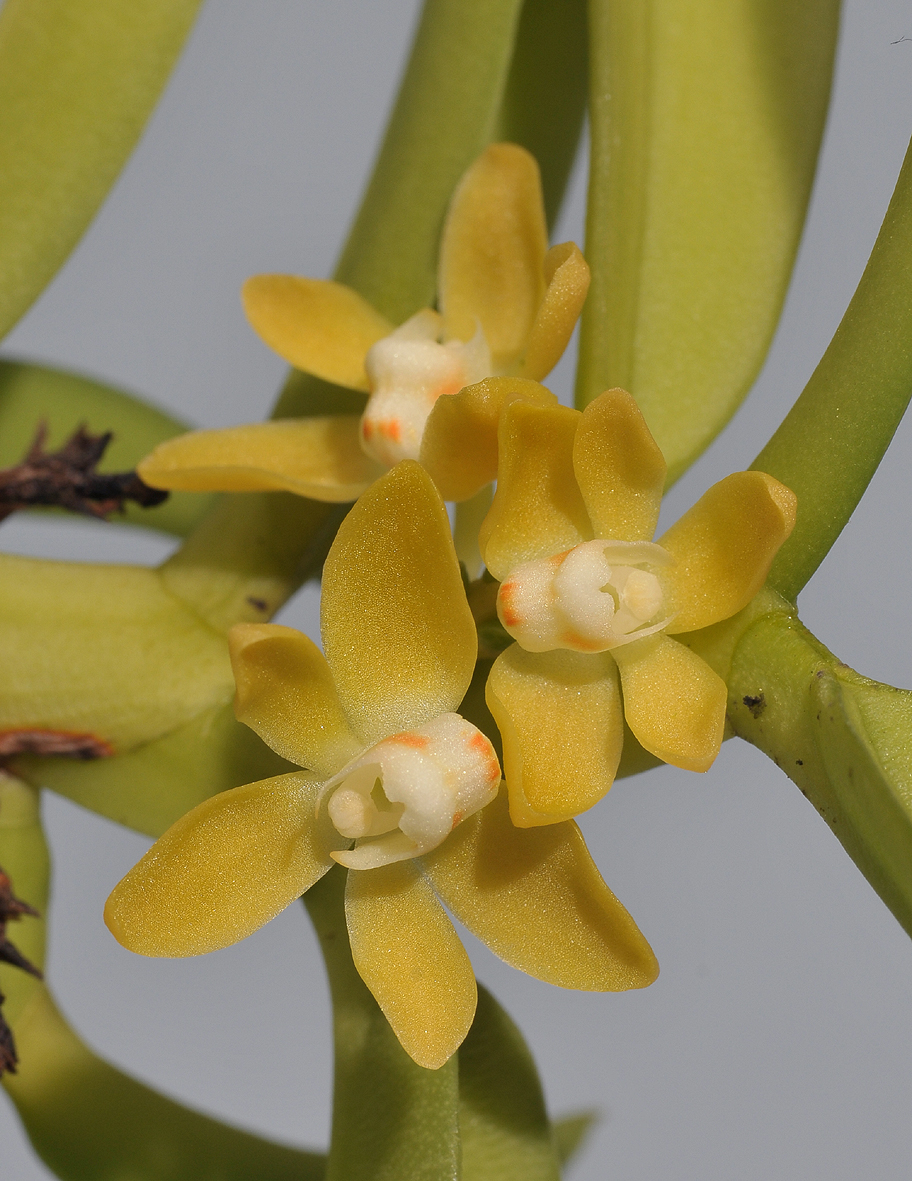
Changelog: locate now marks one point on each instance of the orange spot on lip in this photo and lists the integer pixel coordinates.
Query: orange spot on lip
(392, 428)
(482, 746)
(39, 740)
(367, 429)
(510, 617)
(457, 816)
(408, 738)
(575, 640)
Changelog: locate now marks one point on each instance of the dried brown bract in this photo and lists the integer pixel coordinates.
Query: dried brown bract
(11, 910)
(67, 479)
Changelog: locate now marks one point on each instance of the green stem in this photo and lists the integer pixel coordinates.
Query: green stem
(830, 443)
(392, 1119)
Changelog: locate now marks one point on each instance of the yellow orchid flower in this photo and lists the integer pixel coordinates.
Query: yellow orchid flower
(394, 769)
(593, 603)
(507, 304)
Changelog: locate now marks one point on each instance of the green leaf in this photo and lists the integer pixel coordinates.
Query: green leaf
(86, 1120)
(392, 1119)
(706, 118)
(571, 1133)
(502, 1120)
(151, 787)
(544, 99)
(32, 394)
(830, 443)
(77, 83)
(103, 650)
(845, 740)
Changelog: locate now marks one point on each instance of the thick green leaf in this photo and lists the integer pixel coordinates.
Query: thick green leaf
(571, 1133)
(392, 1119)
(502, 1120)
(86, 1120)
(78, 80)
(845, 740)
(104, 651)
(32, 394)
(706, 118)
(830, 443)
(151, 787)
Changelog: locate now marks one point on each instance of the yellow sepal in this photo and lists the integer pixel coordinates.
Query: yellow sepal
(567, 278)
(561, 720)
(285, 693)
(723, 548)
(316, 457)
(537, 509)
(459, 446)
(492, 253)
(223, 870)
(410, 957)
(397, 629)
(535, 897)
(673, 701)
(619, 468)
(317, 325)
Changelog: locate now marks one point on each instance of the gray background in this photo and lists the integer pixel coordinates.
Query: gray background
(776, 1043)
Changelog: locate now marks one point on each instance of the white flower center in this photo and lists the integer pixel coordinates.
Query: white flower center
(408, 371)
(596, 596)
(404, 796)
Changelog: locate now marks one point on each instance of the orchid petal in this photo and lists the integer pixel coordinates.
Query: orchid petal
(397, 629)
(285, 693)
(411, 959)
(561, 720)
(535, 897)
(459, 447)
(673, 701)
(492, 253)
(724, 548)
(316, 457)
(319, 326)
(538, 510)
(223, 870)
(620, 469)
(567, 278)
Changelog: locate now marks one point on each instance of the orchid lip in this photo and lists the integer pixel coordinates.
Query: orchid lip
(403, 796)
(408, 371)
(596, 596)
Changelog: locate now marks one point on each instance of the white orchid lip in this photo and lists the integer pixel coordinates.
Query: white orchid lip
(408, 371)
(594, 597)
(405, 795)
